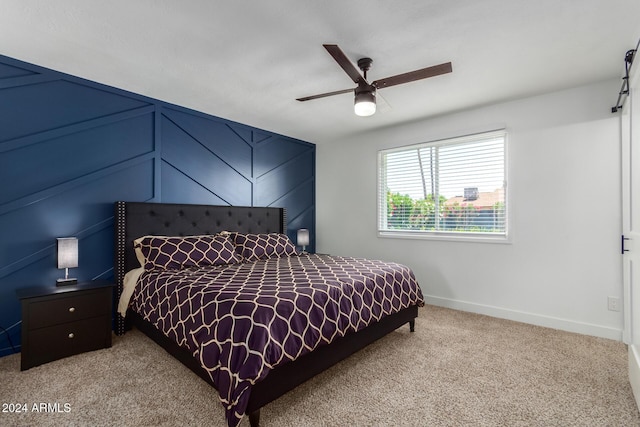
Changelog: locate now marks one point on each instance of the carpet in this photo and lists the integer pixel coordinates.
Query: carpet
(457, 369)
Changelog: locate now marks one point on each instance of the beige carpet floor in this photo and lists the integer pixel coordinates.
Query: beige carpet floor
(457, 369)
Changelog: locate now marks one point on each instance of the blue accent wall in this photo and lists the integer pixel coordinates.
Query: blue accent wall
(70, 148)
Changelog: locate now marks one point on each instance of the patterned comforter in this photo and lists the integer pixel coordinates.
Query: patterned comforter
(241, 320)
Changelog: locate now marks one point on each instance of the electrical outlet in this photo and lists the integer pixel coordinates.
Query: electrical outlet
(613, 303)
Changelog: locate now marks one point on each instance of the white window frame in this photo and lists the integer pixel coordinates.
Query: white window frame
(487, 237)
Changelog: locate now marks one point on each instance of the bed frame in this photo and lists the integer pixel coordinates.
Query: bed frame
(135, 219)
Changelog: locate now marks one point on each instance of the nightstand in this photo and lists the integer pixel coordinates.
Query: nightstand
(60, 321)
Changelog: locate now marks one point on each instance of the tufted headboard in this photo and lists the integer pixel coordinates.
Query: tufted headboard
(136, 219)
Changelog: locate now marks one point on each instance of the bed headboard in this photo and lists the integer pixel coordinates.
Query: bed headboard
(136, 219)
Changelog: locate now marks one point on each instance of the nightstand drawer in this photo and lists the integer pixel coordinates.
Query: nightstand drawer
(69, 308)
(55, 342)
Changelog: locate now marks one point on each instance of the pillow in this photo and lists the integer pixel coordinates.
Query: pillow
(175, 253)
(252, 247)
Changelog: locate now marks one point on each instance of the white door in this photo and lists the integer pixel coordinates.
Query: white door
(630, 244)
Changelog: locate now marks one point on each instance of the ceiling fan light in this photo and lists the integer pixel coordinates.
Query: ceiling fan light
(365, 103)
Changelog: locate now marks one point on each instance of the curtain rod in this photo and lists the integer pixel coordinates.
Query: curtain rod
(624, 90)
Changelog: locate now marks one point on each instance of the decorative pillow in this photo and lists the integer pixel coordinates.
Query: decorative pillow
(174, 253)
(252, 247)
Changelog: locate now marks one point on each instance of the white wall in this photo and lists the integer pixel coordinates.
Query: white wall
(564, 189)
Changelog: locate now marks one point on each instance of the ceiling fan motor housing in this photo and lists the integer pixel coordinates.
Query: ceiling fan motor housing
(363, 89)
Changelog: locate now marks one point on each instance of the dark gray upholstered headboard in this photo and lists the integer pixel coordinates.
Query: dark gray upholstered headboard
(136, 219)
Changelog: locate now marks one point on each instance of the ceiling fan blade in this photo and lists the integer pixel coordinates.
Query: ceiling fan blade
(344, 62)
(411, 76)
(324, 95)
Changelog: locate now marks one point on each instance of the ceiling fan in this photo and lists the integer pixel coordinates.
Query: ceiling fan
(365, 92)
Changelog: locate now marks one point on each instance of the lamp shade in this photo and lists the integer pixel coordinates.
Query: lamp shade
(303, 237)
(67, 252)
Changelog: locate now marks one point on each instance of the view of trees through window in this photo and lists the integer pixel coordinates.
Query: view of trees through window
(456, 185)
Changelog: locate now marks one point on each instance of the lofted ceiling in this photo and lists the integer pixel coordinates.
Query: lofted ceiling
(248, 61)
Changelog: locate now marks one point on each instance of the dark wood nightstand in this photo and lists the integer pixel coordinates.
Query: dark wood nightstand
(60, 321)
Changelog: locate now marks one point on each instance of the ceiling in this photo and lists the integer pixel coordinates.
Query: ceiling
(248, 61)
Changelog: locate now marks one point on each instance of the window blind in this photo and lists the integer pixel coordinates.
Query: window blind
(455, 186)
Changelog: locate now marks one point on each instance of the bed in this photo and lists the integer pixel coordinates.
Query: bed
(252, 290)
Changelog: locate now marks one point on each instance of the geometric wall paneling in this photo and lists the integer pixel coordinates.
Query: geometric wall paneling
(192, 158)
(8, 71)
(249, 134)
(141, 173)
(177, 187)
(69, 148)
(92, 243)
(34, 108)
(32, 79)
(258, 137)
(217, 137)
(284, 178)
(274, 152)
(298, 201)
(45, 164)
(68, 213)
(244, 132)
(33, 250)
(139, 166)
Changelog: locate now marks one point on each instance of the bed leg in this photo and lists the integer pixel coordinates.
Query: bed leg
(412, 325)
(254, 418)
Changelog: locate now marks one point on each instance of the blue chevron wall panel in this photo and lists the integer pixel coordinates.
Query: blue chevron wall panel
(70, 148)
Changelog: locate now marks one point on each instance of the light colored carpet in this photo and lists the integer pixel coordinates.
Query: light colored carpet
(457, 369)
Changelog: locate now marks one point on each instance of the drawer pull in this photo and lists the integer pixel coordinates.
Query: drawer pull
(72, 309)
(71, 335)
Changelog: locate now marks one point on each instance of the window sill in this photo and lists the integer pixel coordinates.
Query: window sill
(449, 237)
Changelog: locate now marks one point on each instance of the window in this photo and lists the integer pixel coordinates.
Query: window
(452, 188)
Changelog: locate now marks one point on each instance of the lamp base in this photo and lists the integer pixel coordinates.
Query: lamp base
(67, 281)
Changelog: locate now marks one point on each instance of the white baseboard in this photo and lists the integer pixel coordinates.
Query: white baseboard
(634, 371)
(531, 318)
